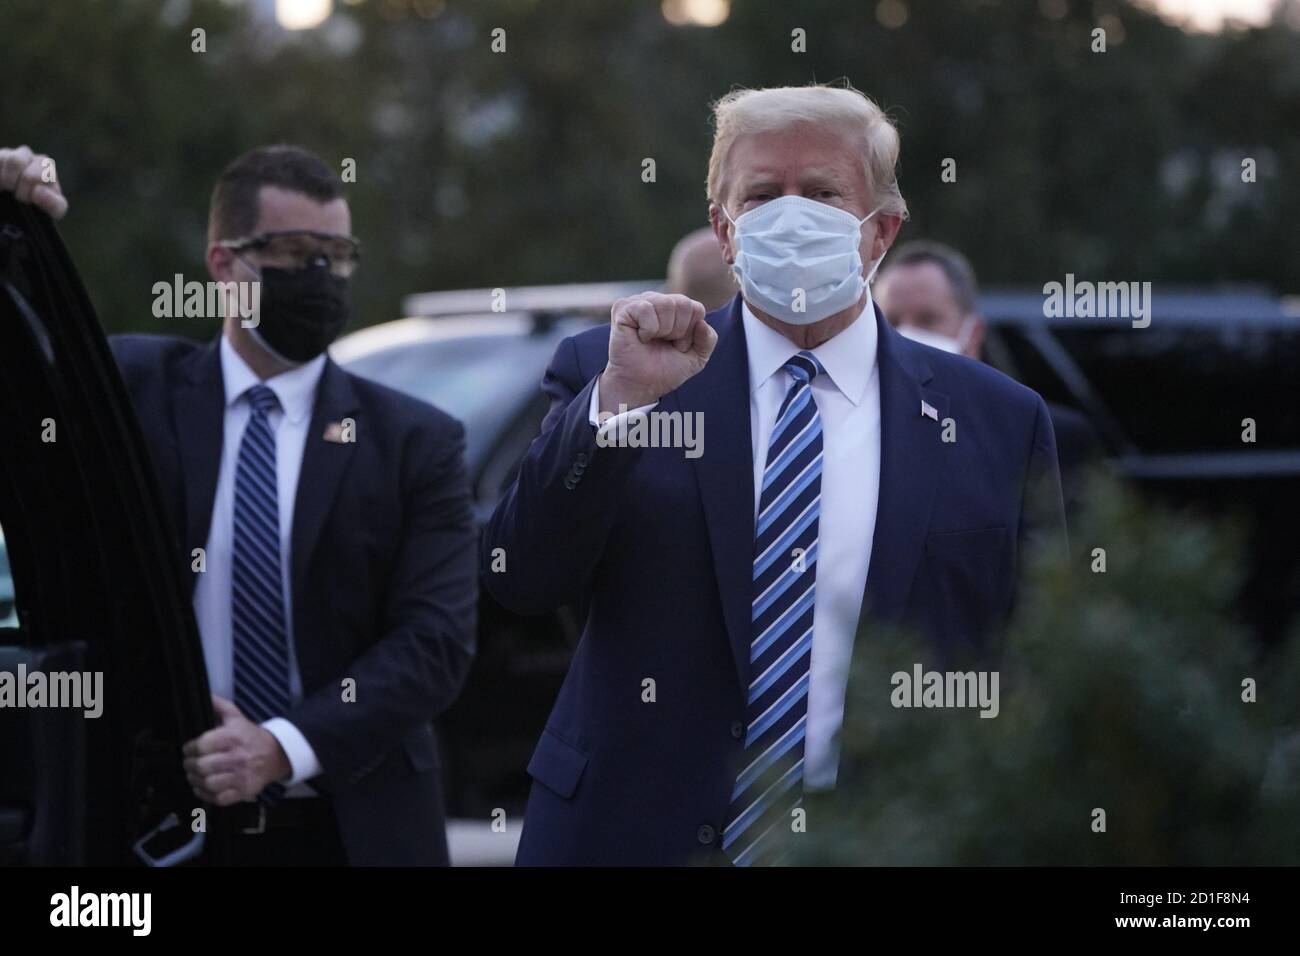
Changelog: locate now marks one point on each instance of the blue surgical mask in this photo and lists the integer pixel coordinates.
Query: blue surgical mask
(797, 259)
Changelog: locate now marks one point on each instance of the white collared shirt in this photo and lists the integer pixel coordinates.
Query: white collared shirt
(848, 401)
(296, 391)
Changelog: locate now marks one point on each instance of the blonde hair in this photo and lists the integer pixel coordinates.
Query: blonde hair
(838, 109)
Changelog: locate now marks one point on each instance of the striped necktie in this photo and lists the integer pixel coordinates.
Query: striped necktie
(770, 785)
(257, 617)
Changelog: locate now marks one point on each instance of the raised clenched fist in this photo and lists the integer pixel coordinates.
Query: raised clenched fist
(656, 342)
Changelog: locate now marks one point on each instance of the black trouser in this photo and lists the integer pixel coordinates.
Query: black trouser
(295, 832)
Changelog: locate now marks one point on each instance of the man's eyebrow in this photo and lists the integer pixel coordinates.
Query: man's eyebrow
(764, 180)
(834, 177)
(767, 179)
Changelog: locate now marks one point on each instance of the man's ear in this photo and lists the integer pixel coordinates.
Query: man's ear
(224, 267)
(886, 233)
(722, 230)
(221, 263)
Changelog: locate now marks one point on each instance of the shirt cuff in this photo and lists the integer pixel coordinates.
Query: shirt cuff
(301, 757)
(611, 423)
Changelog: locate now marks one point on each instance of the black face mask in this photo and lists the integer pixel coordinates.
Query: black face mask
(301, 311)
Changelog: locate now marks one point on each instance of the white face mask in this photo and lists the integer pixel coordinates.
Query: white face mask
(946, 343)
(797, 259)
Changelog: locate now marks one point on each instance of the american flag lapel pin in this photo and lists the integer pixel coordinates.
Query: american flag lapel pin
(334, 433)
(928, 410)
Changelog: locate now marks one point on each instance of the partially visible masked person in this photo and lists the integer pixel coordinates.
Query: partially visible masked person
(337, 599)
(735, 496)
(928, 292)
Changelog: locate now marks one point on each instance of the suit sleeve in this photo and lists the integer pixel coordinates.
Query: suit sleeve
(547, 534)
(416, 669)
(1042, 518)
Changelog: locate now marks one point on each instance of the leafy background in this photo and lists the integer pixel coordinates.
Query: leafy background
(1119, 690)
(485, 169)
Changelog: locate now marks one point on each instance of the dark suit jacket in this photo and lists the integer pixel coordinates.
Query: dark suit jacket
(658, 548)
(1078, 450)
(382, 570)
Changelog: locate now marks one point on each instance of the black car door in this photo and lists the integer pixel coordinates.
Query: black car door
(98, 586)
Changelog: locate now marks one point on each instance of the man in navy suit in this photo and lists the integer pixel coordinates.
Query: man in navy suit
(848, 477)
(327, 522)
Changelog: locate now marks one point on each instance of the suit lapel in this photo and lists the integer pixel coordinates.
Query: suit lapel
(199, 416)
(725, 473)
(910, 458)
(323, 464)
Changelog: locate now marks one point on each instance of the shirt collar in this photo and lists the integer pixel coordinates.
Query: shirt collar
(295, 389)
(848, 357)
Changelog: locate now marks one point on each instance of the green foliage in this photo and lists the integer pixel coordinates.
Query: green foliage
(495, 169)
(1120, 690)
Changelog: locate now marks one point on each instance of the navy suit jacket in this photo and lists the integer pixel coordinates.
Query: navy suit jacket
(657, 549)
(382, 570)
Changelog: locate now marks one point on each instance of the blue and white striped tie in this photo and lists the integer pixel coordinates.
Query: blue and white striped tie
(257, 620)
(770, 785)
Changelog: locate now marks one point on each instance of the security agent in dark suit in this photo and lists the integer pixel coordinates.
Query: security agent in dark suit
(928, 292)
(723, 591)
(335, 588)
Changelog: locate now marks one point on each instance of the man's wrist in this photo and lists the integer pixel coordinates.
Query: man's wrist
(615, 393)
(279, 766)
(296, 747)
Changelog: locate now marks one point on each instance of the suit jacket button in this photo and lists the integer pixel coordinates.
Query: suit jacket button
(581, 459)
(570, 483)
(738, 729)
(705, 834)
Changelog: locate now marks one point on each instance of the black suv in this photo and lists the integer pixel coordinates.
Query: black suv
(1170, 404)
(96, 582)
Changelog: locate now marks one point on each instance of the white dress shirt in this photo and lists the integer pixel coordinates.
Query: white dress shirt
(848, 401)
(296, 391)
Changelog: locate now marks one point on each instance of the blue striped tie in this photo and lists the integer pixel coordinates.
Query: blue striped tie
(257, 620)
(769, 786)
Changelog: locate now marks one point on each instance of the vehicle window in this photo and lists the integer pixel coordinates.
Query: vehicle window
(481, 380)
(1009, 350)
(1185, 389)
(503, 464)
